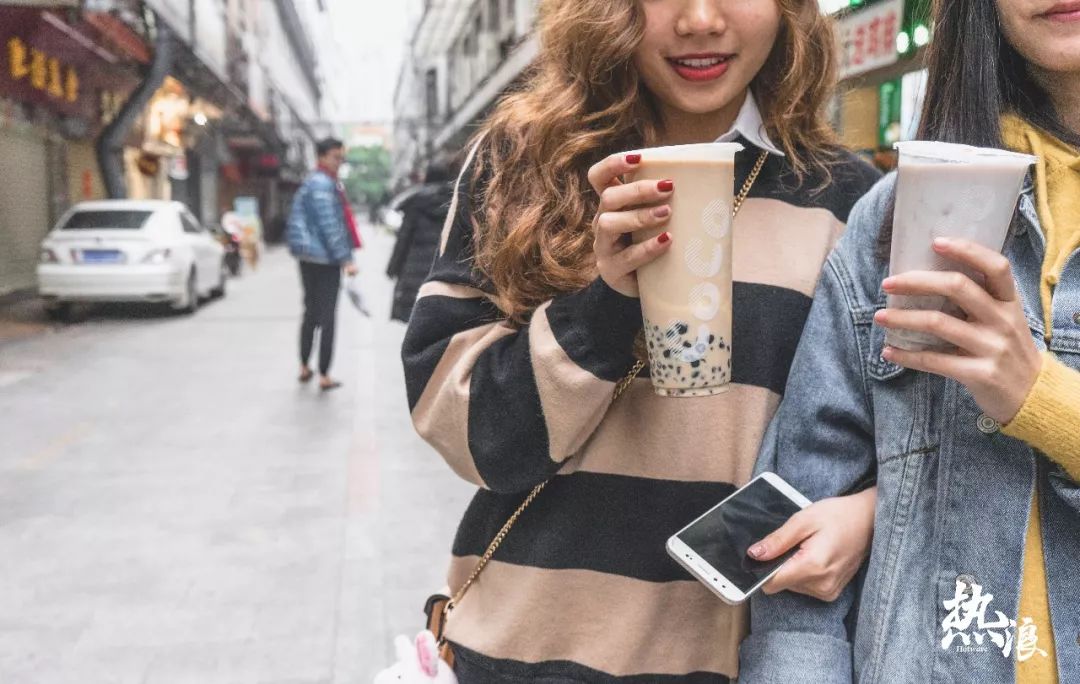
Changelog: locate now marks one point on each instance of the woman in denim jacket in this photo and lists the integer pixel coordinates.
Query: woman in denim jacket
(973, 572)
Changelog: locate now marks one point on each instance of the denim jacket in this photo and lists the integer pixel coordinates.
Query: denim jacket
(316, 228)
(954, 493)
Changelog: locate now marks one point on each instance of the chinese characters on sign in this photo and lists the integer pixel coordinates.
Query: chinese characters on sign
(111, 102)
(966, 620)
(867, 38)
(44, 72)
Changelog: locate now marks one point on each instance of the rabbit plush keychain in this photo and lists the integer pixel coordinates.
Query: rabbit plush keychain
(418, 663)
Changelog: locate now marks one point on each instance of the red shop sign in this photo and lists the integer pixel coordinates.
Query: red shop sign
(43, 60)
(867, 38)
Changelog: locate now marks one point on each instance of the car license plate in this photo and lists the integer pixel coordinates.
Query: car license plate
(102, 256)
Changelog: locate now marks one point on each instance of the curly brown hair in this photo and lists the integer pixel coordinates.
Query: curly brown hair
(582, 100)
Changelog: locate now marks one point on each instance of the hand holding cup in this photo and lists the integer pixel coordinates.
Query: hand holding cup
(995, 357)
(625, 209)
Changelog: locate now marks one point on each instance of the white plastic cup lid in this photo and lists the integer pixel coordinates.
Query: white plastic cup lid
(954, 153)
(699, 152)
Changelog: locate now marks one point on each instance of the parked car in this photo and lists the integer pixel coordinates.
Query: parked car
(130, 251)
(231, 242)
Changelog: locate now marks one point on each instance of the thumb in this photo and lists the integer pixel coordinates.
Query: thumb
(787, 576)
(790, 534)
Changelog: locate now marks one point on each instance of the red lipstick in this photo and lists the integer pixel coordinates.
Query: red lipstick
(702, 66)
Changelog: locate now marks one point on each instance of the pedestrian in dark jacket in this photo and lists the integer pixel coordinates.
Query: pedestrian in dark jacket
(321, 234)
(418, 238)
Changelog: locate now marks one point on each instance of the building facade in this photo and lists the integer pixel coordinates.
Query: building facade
(61, 75)
(882, 47)
(462, 56)
(231, 119)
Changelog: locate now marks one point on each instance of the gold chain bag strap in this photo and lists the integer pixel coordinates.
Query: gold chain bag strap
(439, 606)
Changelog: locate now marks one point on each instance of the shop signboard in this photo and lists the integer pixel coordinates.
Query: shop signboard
(42, 62)
(867, 38)
(889, 105)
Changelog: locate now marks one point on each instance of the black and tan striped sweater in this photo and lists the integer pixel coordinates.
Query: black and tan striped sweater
(582, 589)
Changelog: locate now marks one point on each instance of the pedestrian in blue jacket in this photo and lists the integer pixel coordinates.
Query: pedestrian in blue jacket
(321, 237)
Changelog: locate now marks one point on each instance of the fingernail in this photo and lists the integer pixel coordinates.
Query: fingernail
(941, 242)
(664, 238)
(888, 283)
(633, 159)
(757, 550)
(665, 186)
(887, 353)
(662, 212)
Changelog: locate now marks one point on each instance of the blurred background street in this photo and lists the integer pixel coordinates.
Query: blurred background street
(175, 507)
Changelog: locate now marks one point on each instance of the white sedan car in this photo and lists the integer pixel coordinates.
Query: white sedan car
(130, 251)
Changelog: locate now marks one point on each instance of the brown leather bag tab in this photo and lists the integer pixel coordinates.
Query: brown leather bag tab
(435, 610)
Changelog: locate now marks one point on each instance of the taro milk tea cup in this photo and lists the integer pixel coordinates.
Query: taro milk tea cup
(954, 191)
(686, 293)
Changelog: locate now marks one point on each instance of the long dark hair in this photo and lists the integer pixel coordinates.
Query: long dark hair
(975, 76)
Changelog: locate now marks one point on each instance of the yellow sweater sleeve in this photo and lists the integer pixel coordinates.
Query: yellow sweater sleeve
(1049, 420)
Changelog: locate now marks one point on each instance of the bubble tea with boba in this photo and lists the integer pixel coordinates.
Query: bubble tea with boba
(686, 293)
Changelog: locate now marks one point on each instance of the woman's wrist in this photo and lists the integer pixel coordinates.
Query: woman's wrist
(1048, 417)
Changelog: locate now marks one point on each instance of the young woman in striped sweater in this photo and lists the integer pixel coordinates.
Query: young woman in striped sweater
(530, 317)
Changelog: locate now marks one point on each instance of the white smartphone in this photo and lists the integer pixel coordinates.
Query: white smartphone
(713, 547)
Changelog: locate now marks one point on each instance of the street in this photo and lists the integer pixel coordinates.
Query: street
(176, 507)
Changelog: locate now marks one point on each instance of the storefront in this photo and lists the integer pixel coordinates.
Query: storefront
(174, 151)
(198, 143)
(883, 81)
(56, 86)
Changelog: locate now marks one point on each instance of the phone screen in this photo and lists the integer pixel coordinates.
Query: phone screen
(726, 533)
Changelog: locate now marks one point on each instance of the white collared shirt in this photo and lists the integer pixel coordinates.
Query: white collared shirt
(749, 125)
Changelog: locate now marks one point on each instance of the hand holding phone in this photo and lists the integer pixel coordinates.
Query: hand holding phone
(833, 538)
(714, 547)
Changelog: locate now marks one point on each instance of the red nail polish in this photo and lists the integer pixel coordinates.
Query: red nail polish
(664, 238)
(665, 186)
(633, 159)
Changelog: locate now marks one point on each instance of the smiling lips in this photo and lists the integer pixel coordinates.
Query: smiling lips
(1064, 12)
(700, 67)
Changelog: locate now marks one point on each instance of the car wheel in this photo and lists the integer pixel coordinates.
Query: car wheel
(59, 312)
(190, 302)
(223, 275)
